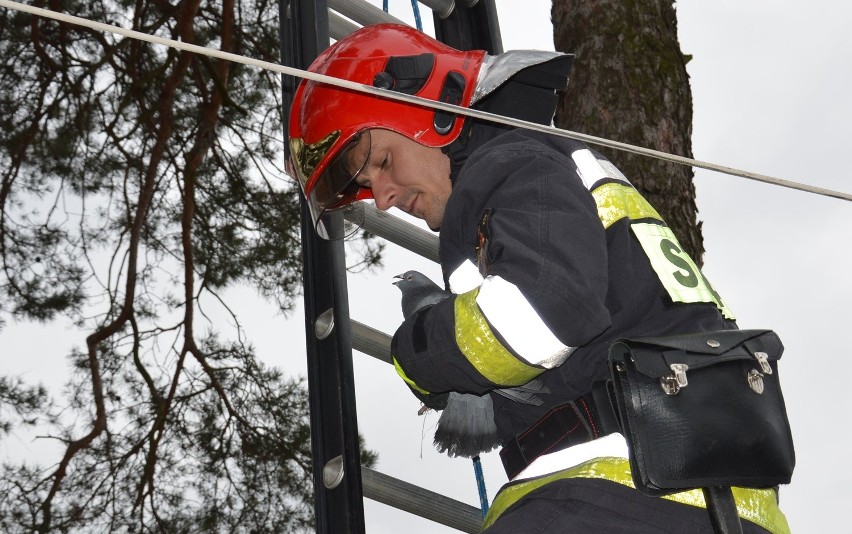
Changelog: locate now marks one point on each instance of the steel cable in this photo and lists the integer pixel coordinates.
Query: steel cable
(414, 100)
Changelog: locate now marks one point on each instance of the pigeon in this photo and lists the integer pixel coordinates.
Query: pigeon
(418, 291)
(466, 426)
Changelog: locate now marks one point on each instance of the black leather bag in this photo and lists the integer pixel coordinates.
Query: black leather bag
(703, 410)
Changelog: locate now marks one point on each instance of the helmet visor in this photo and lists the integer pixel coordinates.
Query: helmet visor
(337, 186)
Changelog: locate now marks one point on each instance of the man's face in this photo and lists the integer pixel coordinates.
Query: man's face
(408, 175)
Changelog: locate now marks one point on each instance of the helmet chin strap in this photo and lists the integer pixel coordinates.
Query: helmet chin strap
(457, 150)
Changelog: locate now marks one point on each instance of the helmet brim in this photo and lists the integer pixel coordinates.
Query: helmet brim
(336, 186)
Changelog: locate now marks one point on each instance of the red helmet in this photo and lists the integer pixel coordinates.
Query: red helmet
(330, 125)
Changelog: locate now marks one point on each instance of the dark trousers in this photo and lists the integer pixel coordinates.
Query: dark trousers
(601, 506)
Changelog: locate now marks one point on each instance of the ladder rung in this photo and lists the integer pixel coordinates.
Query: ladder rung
(393, 229)
(419, 501)
(370, 341)
(442, 8)
(362, 12)
(366, 14)
(339, 27)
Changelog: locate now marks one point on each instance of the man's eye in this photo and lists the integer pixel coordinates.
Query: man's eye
(385, 162)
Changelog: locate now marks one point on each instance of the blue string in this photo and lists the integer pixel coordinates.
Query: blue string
(416, 9)
(480, 484)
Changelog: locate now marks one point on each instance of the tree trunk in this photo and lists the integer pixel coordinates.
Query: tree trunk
(629, 84)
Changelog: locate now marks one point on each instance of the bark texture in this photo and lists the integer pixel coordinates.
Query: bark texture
(629, 83)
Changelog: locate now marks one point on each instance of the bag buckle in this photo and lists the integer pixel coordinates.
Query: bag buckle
(755, 381)
(673, 383)
(763, 360)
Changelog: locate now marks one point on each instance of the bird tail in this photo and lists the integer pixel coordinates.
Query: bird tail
(466, 426)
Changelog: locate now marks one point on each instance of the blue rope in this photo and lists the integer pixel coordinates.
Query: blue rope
(416, 9)
(480, 484)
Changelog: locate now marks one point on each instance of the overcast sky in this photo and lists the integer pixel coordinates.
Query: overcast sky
(771, 94)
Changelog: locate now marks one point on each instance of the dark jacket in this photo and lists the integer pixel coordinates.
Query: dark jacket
(546, 216)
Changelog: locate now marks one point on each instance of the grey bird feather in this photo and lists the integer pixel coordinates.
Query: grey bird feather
(418, 291)
(466, 426)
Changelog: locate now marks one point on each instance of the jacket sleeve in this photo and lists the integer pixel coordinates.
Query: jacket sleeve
(539, 288)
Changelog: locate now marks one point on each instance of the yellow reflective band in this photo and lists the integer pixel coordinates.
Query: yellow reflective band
(617, 201)
(682, 279)
(482, 348)
(759, 506)
(408, 381)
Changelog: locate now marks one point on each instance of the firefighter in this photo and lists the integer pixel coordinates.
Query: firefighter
(550, 252)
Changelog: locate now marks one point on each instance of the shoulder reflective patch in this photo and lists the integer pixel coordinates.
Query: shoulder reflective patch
(407, 380)
(612, 171)
(682, 279)
(465, 278)
(617, 201)
(510, 313)
(482, 348)
(588, 167)
(592, 169)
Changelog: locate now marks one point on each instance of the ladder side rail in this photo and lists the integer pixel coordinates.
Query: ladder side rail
(338, 507)
(470, 26)
(306, 26)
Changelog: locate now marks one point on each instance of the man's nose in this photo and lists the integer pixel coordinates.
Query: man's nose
(385, 194)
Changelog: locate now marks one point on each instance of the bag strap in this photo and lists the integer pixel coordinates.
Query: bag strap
(582, 420)
(722, 509)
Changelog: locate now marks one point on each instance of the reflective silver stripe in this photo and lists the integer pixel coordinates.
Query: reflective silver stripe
(495, 70)
(511, 314)
(612, 171)
(612, 445)
(465, 278)
(592, 169)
